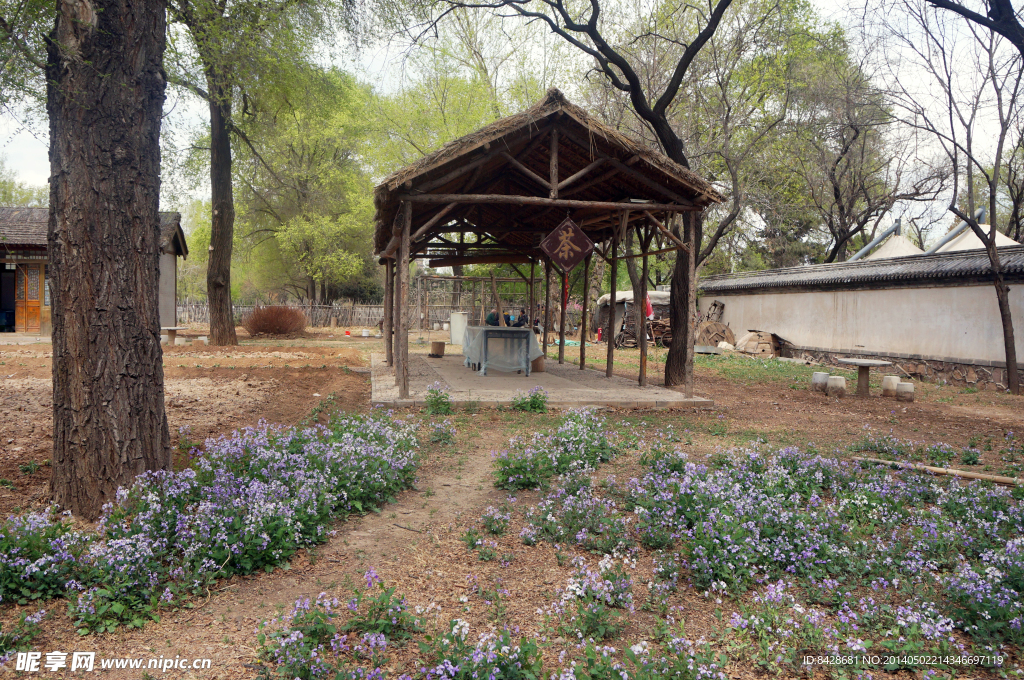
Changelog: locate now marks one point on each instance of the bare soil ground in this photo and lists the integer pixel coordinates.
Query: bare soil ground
(414, 543)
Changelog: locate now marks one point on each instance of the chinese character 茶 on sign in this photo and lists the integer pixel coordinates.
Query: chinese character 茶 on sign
(567, 245)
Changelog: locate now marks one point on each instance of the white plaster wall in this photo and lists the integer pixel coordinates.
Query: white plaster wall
(960, 323)
(168, 285)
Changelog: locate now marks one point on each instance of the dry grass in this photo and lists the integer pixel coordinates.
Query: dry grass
(274, 321)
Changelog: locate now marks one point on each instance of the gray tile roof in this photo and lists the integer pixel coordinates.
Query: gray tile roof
(941, 269)
(28, 227)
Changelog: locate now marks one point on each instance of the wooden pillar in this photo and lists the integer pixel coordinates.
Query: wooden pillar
(547, 303)
(483, 307)
(402, 370)
(611, 301)
(642, 338)
(389, 312)
(564, 296)
(530, 300)
(583, 317)
(553, 171)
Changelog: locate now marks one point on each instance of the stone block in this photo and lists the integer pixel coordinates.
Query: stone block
(836, 386)
(819, 380)
(905, 391)
(889, 383)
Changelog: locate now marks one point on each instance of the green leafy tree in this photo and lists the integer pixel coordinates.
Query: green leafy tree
(229, 54)
(14, 193)
(302, 182)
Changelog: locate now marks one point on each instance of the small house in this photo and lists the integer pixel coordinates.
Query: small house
(24, 269)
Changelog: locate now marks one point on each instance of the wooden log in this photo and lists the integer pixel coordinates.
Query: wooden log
(525, 170)
(666, 232)
(583, 319)
(649, 183)
(537, 200)
(564, 296)
(497, 303)
(402, 372)
(433, 221)
(579, 175)
(389, 313)
(458, 172)
(553, 171)
(480, 259)
(642, 329)
(533, 289)
(610, 339)
(547, 303)
(995, 479)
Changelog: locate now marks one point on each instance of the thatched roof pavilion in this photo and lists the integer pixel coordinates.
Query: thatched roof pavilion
(511, 183)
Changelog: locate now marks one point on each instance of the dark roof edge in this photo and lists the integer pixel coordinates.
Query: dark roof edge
(968, 266)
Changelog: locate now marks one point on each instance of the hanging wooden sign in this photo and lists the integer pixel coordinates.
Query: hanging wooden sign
(567, 245)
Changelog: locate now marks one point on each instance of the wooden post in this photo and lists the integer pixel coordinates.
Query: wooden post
(497, 302)
(611, 301)
(553, 171)
(583, 317)
(547, 303)
(564, 296)
(529, 316)
(483, 307)
(644, 244)
(389, 312)
(402, 371)
(419, 301)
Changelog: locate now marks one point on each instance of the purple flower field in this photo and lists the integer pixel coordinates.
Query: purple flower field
(247, 502)
(799, 554)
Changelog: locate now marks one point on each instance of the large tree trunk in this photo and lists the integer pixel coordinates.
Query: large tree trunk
(682, 299)
(222, 232)
(105, 92)
(1003, 297)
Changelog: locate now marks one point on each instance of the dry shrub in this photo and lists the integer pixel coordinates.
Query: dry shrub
(275, 321)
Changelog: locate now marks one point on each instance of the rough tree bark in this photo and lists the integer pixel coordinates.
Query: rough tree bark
(222, 228)
(105, 92)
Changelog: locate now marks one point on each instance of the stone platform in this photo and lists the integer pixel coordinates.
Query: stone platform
(567, 386)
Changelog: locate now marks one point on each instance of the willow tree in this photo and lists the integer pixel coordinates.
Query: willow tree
(102, 65)
(226, 52)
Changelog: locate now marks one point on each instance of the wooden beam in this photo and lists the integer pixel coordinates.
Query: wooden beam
(649, 183)
(459, 171)
(653, 252)
(586, 185)
(433, 221)
(579, 175)
(481, 259)
(525, 170)
(507, 199)
(553, 170)
(666, 232)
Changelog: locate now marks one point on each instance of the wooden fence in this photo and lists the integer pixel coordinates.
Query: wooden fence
(367, 316)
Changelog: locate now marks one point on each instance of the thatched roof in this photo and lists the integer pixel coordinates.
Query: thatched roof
(582, 140)
(29, 226)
